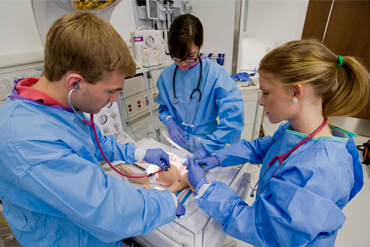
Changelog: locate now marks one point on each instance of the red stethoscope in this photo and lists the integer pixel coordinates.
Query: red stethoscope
(281, 158)
(91, 123)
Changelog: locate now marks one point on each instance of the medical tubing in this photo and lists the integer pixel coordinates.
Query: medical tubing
(148, 98)
(137, 29)
(91, 123)
(148, 93)
(70, 104)
(164, 133)
(281, 158)
(106, 159)
(4, 222)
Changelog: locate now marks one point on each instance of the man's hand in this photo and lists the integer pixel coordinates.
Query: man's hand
(158, 157)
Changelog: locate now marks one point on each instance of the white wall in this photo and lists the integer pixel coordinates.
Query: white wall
(123, 19)
(217, 17)
(270, 23)
(19, 34)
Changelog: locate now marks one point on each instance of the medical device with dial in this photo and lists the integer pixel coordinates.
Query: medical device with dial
(147, 44)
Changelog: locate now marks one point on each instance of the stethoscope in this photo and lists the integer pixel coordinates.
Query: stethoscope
(281, 158)
(91, 123)
(189, 124)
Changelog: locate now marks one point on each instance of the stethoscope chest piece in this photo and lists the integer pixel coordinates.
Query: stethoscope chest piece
(176, 101)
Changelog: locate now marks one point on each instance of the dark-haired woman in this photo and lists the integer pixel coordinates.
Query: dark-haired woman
(194, 91)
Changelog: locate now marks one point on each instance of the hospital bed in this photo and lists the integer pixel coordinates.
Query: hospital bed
(195, 228)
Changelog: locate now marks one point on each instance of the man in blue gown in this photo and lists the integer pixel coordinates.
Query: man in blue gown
(53, 189)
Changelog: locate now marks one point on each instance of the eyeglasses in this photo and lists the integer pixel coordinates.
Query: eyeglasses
(187, 60)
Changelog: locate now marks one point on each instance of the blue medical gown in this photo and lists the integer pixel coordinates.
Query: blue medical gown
(302, 205)
(54, 190)
(220, 98)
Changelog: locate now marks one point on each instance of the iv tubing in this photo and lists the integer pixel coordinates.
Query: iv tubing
(148, 93)
(92, 124)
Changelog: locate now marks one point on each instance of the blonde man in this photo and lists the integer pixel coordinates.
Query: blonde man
(53, 190)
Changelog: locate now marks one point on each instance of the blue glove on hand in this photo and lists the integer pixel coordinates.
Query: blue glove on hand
(200, 154)
(196, 175)
(208, 163)
(157, 157)
(180, 210)
(176, 133)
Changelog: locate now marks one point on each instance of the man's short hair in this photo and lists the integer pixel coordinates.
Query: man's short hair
(87, 45)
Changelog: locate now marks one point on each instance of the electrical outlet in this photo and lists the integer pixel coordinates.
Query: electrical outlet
(146, 100)
(130, 108)
(139, 104)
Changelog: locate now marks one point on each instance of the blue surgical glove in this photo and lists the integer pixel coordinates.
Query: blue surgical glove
(208, 163)
(196, 175)
(200, 154)
(176, 133)
(157, 157)
(180, 210)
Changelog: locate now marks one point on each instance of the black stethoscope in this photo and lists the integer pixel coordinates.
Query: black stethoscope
(281, 158)
(191, 95)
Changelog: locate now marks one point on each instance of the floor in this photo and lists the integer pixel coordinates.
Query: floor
(355, 231)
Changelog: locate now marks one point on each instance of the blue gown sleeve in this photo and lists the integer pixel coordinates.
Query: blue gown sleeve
(163, 112)
(112, 149)
(302, 204)
(57, 175)
(246, 151)
(230, 113)
(275, 218)
(79, 191)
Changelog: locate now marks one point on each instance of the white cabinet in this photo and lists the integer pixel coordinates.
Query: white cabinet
(252, 112)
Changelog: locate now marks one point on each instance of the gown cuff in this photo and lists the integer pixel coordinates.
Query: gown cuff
(175, 199)
(202, 190)
(140, 153)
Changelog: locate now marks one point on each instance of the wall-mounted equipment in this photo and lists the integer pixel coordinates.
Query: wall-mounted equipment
(152, 9)
(46, 11)
(158, 14)
(147, 44)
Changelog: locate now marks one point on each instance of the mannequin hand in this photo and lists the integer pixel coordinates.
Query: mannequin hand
(208, 163)
(176, 133)
(157, 157)
(196, 175)
(200, 154)
(180, 210)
